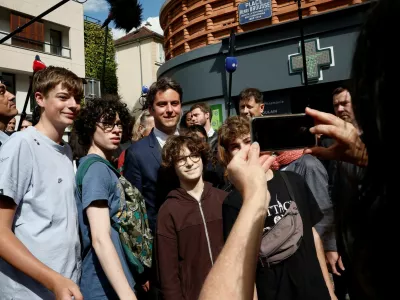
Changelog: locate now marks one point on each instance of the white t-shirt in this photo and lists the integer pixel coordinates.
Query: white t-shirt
(38, 175)
(3, 137)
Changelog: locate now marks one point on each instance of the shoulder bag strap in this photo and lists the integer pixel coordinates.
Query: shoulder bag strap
(288, 185)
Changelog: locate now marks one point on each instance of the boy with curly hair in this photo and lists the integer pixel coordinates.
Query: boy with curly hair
(105, 272)
(189, 224)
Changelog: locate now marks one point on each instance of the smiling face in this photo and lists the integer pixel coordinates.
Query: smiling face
(166, 111)
(189, 166)
(107, 135)
(59, 106)
(249, 108)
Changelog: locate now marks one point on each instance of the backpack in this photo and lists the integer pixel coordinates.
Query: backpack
(282, 240)
(130, 221)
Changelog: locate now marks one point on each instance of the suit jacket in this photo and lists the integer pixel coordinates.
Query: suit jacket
(142, 168)
(213, 142)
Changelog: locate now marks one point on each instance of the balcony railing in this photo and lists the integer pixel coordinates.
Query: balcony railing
(92, 20)
(37, 46)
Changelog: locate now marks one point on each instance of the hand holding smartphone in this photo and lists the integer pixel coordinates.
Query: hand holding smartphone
(283, 132)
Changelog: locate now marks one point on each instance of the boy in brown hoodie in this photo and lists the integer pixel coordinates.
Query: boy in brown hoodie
(189, 226)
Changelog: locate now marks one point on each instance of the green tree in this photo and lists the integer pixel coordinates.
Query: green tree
(94, 52)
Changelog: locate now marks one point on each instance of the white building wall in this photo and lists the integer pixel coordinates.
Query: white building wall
(68, 19)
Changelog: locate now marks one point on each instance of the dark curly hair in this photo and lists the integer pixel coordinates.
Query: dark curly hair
(104, 108)
(172, 150)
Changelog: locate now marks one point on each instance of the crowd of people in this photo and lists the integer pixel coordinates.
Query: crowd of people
(166, 207)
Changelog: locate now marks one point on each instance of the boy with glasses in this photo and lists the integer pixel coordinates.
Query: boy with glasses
(189, 225)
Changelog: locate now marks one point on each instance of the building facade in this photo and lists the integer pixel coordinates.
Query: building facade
(139, 55)
(191, 24)
(269, 59)
(58, 39)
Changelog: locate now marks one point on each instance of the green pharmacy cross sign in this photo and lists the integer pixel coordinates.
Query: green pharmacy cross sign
(317, 58)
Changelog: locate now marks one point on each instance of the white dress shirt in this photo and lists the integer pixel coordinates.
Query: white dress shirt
(211, 132)
(162, 137)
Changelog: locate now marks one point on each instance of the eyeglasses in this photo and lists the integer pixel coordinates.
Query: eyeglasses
(182, 160)
(108, 127)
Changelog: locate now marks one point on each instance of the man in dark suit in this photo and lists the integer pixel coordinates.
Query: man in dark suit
(143, 158)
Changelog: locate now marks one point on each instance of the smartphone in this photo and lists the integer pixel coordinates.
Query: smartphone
(283, 132)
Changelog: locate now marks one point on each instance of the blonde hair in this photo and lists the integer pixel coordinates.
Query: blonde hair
(137, 132)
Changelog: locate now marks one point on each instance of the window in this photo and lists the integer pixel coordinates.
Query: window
(31, 37)
(161, 54)
(55, 42)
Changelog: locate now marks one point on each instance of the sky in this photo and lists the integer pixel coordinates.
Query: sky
(151, 9)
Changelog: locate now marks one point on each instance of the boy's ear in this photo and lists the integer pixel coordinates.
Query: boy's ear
(39, 99)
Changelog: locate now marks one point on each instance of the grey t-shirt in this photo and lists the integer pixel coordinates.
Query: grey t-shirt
(99, 183)
(37, 174)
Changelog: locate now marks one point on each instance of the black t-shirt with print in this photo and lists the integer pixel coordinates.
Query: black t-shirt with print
(299, 277)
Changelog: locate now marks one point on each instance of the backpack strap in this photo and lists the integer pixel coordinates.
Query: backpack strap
(288, 185)
(84, 167)
(80, 174)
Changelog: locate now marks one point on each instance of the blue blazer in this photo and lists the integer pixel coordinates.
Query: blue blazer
(142, 167)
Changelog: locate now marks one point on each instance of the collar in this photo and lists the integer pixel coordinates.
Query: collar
(211, 132)
(3, 137)
(162, 136)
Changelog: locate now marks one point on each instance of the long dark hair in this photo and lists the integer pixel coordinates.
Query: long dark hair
(375, 91)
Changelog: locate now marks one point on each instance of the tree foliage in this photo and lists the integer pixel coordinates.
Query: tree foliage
(94, 53)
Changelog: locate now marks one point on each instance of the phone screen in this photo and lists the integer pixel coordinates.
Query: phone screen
(286, 132)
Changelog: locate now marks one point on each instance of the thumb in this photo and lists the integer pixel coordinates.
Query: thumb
(340, 263)
(254, 154)
(76, 293)
(320, 152)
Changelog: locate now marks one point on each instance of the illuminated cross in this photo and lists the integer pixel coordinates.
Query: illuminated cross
(316, 59)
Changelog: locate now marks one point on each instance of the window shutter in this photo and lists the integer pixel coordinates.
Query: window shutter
(33, 32)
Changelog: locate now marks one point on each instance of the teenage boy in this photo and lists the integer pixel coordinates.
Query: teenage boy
(105, 270)
(39, 241)
(189, 225)
(303, 275)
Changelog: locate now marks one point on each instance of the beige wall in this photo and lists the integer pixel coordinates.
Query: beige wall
(128, 71)
(68, 19)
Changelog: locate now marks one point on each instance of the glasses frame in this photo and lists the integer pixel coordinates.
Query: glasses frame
(182, 160)
(107, 127)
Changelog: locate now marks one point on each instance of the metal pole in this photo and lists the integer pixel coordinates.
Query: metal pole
(19, 29)
(230, 94)
(303, 48)
(104, 61)
(232, 41)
